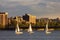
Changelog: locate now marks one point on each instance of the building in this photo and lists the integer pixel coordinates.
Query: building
(19, 19)
(29, 18)
(3, 19)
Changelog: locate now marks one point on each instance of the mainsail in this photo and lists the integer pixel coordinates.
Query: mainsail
(47, 30)
(30, 29)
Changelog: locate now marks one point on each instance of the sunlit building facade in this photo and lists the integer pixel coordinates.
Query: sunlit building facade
(3, 19)
(29, 18)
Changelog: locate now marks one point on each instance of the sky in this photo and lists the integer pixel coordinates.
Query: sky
(39, 8)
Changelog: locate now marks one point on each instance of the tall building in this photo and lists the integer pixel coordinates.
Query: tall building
(3, 19)
(29, 18)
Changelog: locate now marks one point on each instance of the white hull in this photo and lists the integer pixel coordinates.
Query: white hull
(48, 32)
(19, 32)
(30, 32)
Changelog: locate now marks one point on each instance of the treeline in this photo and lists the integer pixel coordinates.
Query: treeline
(53, 24)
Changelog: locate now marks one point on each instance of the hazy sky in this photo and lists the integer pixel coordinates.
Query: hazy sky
(39, 8)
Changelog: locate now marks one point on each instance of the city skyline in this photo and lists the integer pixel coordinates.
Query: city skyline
(39, 8)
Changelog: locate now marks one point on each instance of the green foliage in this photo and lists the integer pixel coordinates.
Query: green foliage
(23, 24)
(38, 23)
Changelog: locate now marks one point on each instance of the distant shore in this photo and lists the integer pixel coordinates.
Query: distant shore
(34, 28)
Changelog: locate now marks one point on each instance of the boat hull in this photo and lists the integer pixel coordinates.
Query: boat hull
(30, 32)
(48, 32)
(19, 32)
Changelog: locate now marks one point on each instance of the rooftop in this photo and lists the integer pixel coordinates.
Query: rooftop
(3, 12)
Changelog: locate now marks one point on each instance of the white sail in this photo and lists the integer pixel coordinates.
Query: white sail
(30, 29)
(47, 30)
(18, 28)
(17, 31)
(47, 27)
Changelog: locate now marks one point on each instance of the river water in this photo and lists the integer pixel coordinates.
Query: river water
(37, 35)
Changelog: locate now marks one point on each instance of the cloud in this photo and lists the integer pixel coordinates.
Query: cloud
(36, 7)
(49, 9)
(52, 0)
(21, 2)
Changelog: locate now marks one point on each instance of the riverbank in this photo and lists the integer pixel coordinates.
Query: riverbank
(39, 29)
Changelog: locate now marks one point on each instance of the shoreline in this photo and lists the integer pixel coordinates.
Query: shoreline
(39, 29)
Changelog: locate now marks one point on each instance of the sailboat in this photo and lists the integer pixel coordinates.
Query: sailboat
(47, 31)
(17, 31)
(30, 29)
